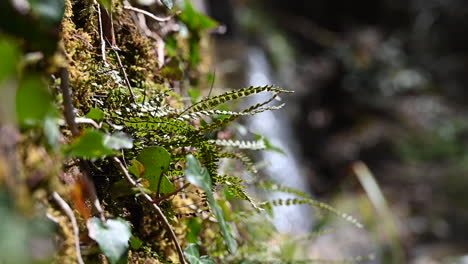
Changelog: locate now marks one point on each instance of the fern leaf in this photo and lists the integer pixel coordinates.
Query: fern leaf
(272, 186)
(237, 189)
(241, 144)
(165, 124)
(244, 159)
(315, 204)
(220, 123)
(214, 101)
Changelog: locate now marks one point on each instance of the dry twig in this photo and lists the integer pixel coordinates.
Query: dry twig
(69, 212)
(127, 82)
(101, 33)
(159, 19)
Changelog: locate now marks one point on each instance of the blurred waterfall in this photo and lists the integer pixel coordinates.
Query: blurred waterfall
(284, 169)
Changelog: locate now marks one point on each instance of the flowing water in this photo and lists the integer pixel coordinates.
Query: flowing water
(285, 168)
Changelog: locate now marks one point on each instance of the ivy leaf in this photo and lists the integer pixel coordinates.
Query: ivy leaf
(95, 114)
(199, 176)
(112, 238)
(193, 256)
(95, 144)
(155, 161)
(168, 3)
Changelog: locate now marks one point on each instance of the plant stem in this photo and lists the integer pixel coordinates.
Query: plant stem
(69, 212)
(69, 114)
(157, 201)
(156, 208)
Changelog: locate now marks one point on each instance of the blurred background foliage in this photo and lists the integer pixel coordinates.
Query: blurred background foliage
(383, 82)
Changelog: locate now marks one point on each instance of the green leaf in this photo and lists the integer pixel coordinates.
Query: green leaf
(106, 3)
(137, 169)
(95, 144)
(194, 226)
(168, 3)
(121, 188)
(95, 114)
(33, 102)
(112, 237)
(193, 255)
(91, 144)
(199, 176)
(156, 160)
(135, 243)
(194, 20)
(10, 56)
(51, 131)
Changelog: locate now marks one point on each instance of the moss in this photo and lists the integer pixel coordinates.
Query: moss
(90, 76)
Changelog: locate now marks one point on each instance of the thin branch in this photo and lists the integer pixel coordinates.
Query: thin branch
(67, 209)
(84, 120)
(144, 12)
(162, 198)
(155, 206)
(67, 102)
(159, 184)
(101, 33)
(159, 41)
(127, 82)
(69, 114)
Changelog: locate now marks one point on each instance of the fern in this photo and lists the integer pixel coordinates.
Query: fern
(236, 188)
(304, 199)
(214, 101)
(315, 204)
(244, 159)
(272, 186)
(241, 144)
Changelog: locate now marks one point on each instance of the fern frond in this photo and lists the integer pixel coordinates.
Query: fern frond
(315, 204)
(237, 189)
(241, 144)
(272, 186)
(211, 102)
(165, 124)
(220, 123)
(244, 159)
